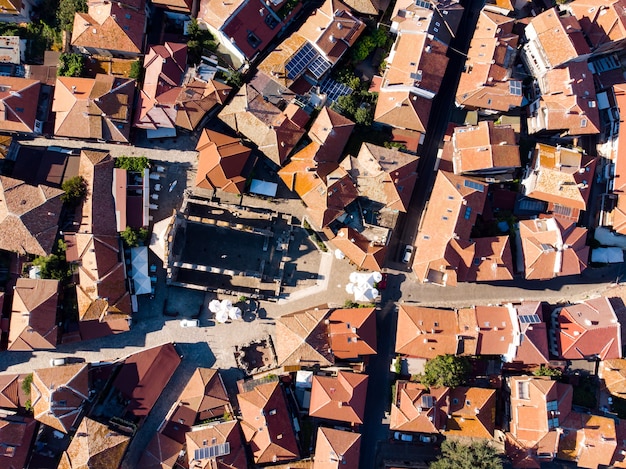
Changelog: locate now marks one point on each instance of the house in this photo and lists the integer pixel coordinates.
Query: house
(29, 216)
(427, 332)
(142, 377)
(586, 329)
(486, 82)
(413, 75)
(567, 104)
(562, 177)
(495, 330)
(325, 189)
(329, 132)
(267, 424)
(164, 68)
(203, 398)
(243, 27)
(384, 176)
(440, 19)
(552, 248)
(221, 162)
(352, 332)
(532, 347)
(16, 438)
(603, 23)
(553, 40)
(588, 440)
(302, 339)
(306, 56)
(131, 192)
(104, 305)
(196, 99)
(97, 108)
(340, 397)
(216, 445)
(455, 202)
(617, 210)
(368, 7)
(12, 395)
(57, 395)
(336, 449)
(16, 11)
(111, 29)
(34, 315)
(18, 105)
(613, 373)
(161, 453)
(484, 149)
(538, 406)
(183, 7)
(363, 253)
(93, 445)
(471, 413)
(482, 260)
(275, 132)
(415, 408)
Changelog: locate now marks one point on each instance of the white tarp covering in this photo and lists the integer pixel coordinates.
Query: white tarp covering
(362, 286)
(263, 187)
(339, 254)
(139, 270)
(607, 255)
(224, 310)
(158, 241)
(304, 379)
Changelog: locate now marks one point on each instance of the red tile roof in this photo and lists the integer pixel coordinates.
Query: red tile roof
(426, 332)
(10, 391)
(403, 110)
(144, 375)
(588, 329)
(359, 250)
(266, 424)
(590, 440)
(18, 104)
(204, 436)
(336, 449)
(417, 409)
(34, 315)
(602, 22)
(471, 412)
(111, 26)
(352, 332)
(16, 437)
(339, 398)
(496, 329)
(221, 162)
(161, 453)
(619, 181)
(552, 248)
(484, 148)
(533, 348)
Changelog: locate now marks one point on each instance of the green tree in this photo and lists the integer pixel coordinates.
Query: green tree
(75, 191)
(26, 383)
(53, 267)
(456, 455)
(130, 238)
(198, 40)
(363, 116)
(547, 371)
(71, 65)
(132, 163)
(66, 11)
(446, 370)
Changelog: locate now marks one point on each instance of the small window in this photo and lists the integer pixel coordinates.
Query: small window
(426, 237)
(19, 109)
(468, 213)
(455, 401)
(444, 218)
(127, 16)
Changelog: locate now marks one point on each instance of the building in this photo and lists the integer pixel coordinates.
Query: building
(29, 216)
(613, 373)
(244, 27)
(586, 330)
(603, 23)
(275, 132)
(617, 209)
(553, 40)
(57, 395)
(16, 437)
(131, 191)
(484, 149)
(94, 108)
(487, 83)
(266, 424)
(567, 104)
(93, 445)
(221, 162)
(368, 7)
(588, 440)
(111, 29)
(363, 253)
(216, 445)
(161, 453)
(19, 98)
(34, 315)
(183, 7)
(336, 449)
(562, 177)
(427, 332)
(14, 11)
(352, 333)
(340, 397)
(552, 248)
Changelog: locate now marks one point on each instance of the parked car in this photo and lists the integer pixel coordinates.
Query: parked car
(408, 252)
(427, 439)
(402, 436)
(57, 361)
(189, 323)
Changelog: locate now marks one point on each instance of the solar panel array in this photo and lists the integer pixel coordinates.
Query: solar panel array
(529, 319)
(300, 61)
(210, 452)
(333, 89)
(474, 185)
(319, 66)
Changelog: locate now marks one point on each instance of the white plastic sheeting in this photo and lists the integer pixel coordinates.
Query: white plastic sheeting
(362, 286)
(224, 310)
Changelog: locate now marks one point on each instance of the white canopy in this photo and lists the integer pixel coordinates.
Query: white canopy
(139, 270)
(362, 286)
(157, 240)
(234, 314)
(339, 254)
(221, 316)
(224, 310)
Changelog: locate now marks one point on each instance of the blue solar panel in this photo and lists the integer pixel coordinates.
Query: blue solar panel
(333, 90)
(474, 185)
(319, 66)
(300, 61)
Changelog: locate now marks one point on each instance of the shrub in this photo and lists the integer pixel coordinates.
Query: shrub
(133, 238)
(136, 70)
(66, 12)
(199, 39)
(26, 383)
(446, 370)
(132, 163)
(75, 191)
(71, 65)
